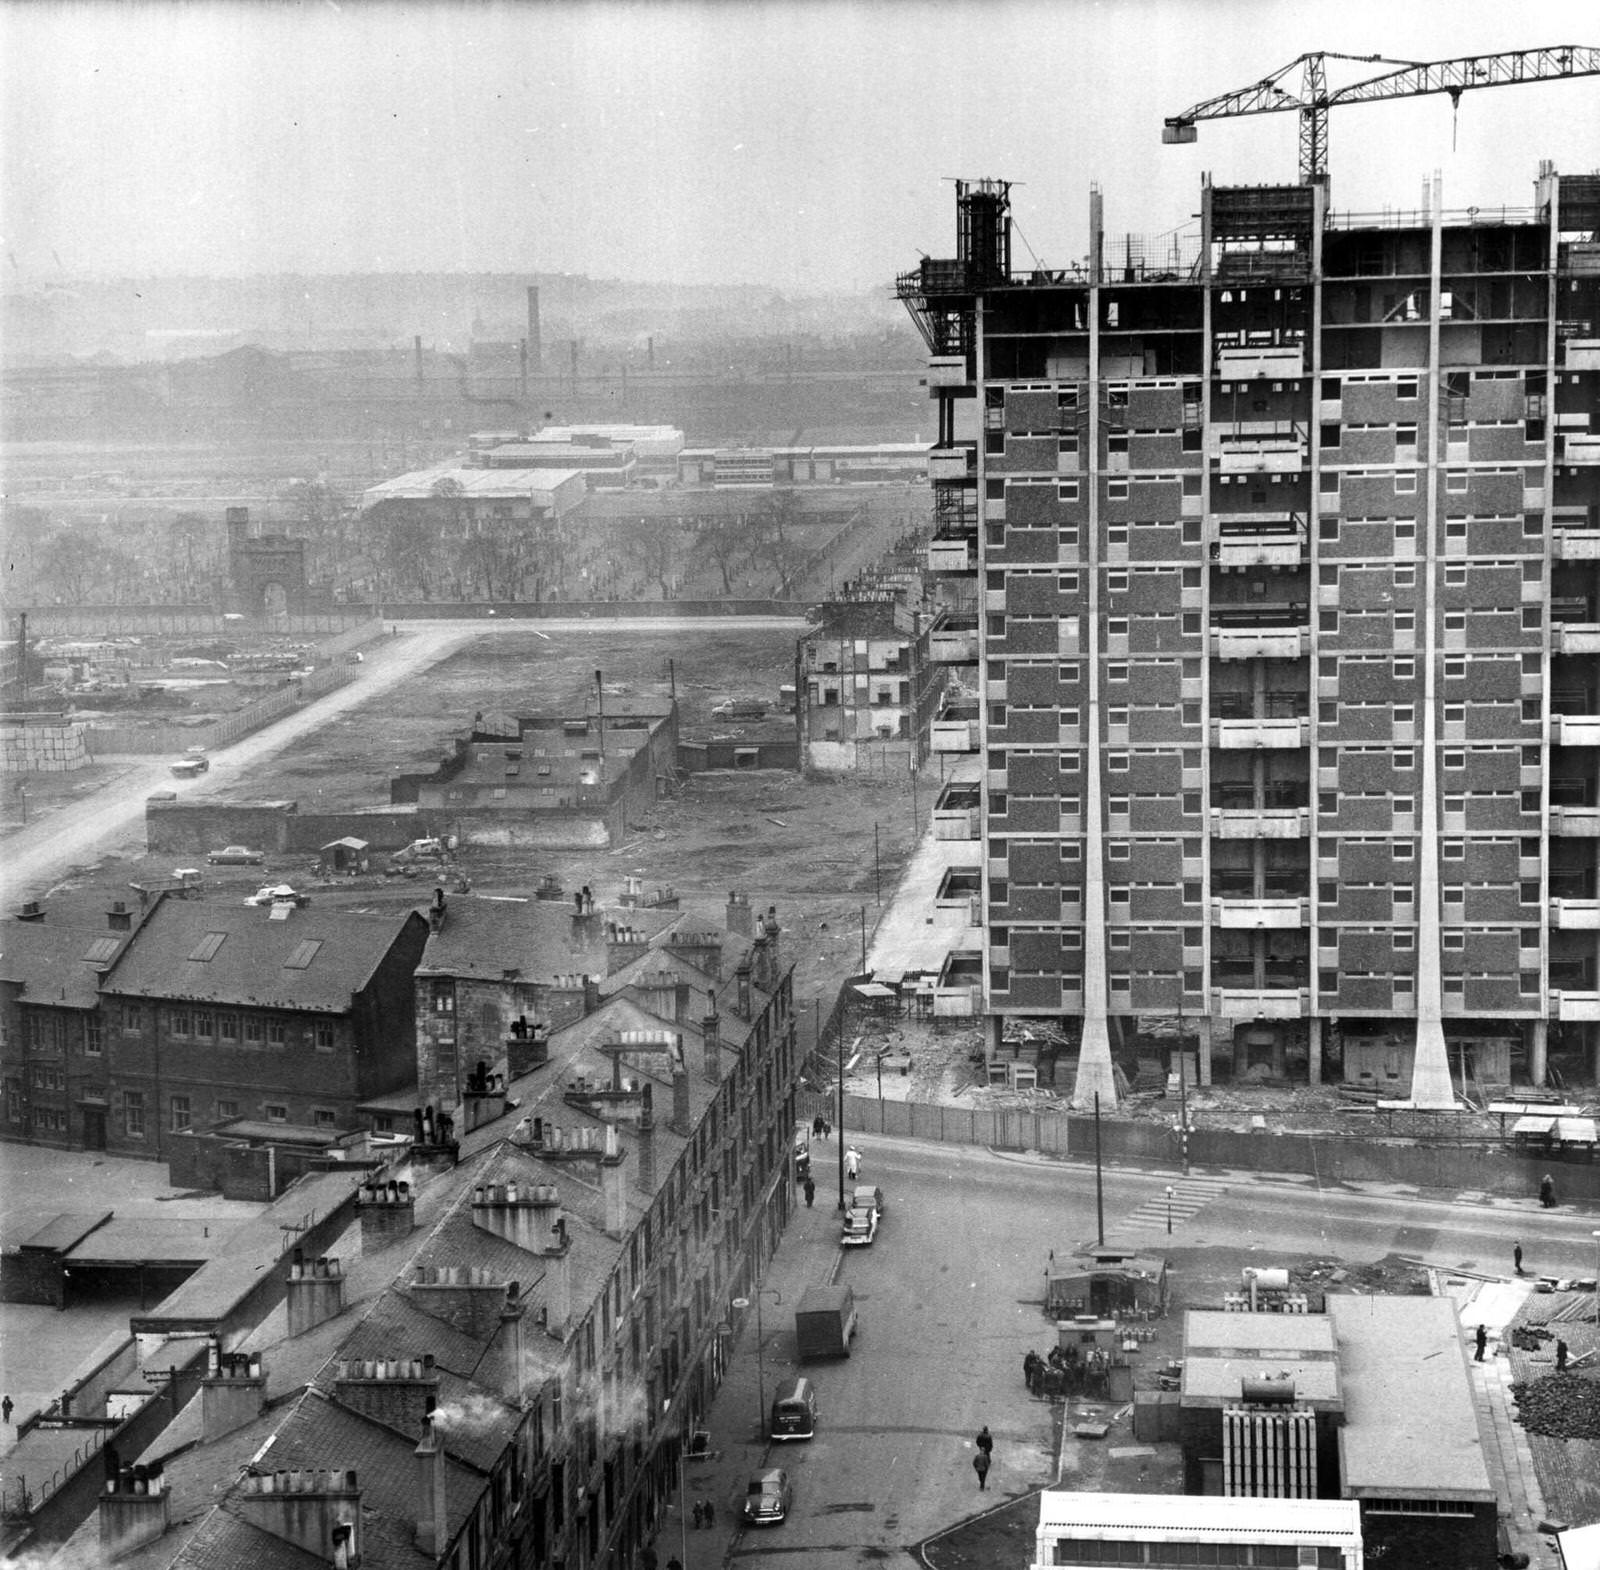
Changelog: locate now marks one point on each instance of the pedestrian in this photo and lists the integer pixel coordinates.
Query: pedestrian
(1561, 1357)
(980, 1465)
(816, 1126)
(852, 1163)
(827, 1129)
(1547, 1191)
(711, 1512)
(699, 1515)
(1516, 1258)
(811, 1190)
(1483, 1342)
(6, 1409)
(674, 1563)
(985, 1440)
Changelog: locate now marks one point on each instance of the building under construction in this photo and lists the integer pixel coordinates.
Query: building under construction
(1283, 549)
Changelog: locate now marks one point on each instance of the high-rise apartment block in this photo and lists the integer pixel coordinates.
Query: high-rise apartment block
(1283, 544)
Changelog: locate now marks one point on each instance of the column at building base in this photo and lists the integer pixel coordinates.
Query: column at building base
(1096, 1075)
(1538, 1053)
(1431, 1089)
(1314, 1050)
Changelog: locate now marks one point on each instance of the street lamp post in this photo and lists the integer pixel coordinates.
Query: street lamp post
(761, 1364)
(1597, 1278)
(1169, 1210)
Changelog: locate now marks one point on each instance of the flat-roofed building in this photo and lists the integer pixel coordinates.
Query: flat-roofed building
(1092, 1529)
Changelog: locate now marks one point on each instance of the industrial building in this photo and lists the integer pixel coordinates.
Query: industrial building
(1279, 547)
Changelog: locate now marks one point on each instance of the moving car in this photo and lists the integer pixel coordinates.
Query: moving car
(194, 762)
(236, 856)
(768, 1498)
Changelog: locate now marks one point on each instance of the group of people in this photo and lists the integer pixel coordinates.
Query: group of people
(1066, 1372)
(704, 1512)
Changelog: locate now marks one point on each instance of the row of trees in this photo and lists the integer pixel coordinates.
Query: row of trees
(437, 550)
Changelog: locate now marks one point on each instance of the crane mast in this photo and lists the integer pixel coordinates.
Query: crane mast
(1405, 79)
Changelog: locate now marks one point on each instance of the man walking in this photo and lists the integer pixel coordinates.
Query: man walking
(985, 1441)
(811, 1190)
(1516, 1258)
(6, 1410)
(852, 1163)
(1483, 1342)
(1547, 1191)
(980, 1465)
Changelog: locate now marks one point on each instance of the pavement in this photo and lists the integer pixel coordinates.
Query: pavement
(808, 1255)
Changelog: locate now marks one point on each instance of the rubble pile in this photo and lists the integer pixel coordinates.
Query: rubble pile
(1564, 1406)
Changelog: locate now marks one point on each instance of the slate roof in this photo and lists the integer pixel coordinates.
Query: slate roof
(270, 964)
(60, 959)
(539, 939)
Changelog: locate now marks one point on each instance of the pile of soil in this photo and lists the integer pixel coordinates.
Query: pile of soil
(1565, 1406)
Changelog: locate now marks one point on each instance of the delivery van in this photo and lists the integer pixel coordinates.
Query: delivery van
(794, 1410)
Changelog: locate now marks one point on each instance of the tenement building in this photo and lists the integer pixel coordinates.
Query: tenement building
(1284, 548)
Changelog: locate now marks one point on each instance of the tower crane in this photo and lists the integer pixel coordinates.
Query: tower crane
(1407, 79)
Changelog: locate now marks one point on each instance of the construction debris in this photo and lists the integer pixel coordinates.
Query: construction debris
(1565, 1406)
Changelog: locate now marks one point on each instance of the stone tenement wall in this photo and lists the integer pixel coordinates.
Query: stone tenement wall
(45, 747)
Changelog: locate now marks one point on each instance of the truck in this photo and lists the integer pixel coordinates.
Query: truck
(824, 1322)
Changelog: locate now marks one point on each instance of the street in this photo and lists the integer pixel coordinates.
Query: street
(950, 1298)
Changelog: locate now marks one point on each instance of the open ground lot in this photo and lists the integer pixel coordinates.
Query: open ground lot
(820, 850)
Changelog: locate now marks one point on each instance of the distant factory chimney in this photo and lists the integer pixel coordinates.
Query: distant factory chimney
(535, 344)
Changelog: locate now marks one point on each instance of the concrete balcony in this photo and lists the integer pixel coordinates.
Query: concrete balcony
(1244, 735)
(1257, 913)
(1575, 544)
(955, 813)
(1575, 730)
(1566, 1005)
(953, 555)
(955, 642)
(1579, 448)
(947, 464)
(1260, 823)
(1261, 1002)
(1575, 637)
(1579, 823)
(955, 730)
(1260, 643)
(1252, 363)
(947, 370)
(1284, 453)
(1581, 354)
(1258, 550)
(1575, 915)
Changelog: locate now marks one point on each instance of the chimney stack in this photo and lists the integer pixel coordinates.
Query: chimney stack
(318, 1511)
(315, 1292)
(742, 979)
(711, 1036)
(772, 929)
(613, 1183)
(558, 1280)
(396, 1392)
(433, 1520)
(738, 916)
(680, 1094)
(388, 1212)
(233, 1390)
(535, 337)
(522, 1214)
(591, 994)
(466, 1296)
(135, 1506)
(436, 911)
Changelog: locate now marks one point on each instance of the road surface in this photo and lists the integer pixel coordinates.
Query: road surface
(111, 819)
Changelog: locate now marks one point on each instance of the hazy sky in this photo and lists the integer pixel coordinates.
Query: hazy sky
(802, 143)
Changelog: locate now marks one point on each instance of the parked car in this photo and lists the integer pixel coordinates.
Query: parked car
(277, 894)
(192, 763)
(236, 856)
(767, 1499)
(860, 1226)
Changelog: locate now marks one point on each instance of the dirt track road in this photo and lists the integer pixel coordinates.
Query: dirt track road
(112, 818)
